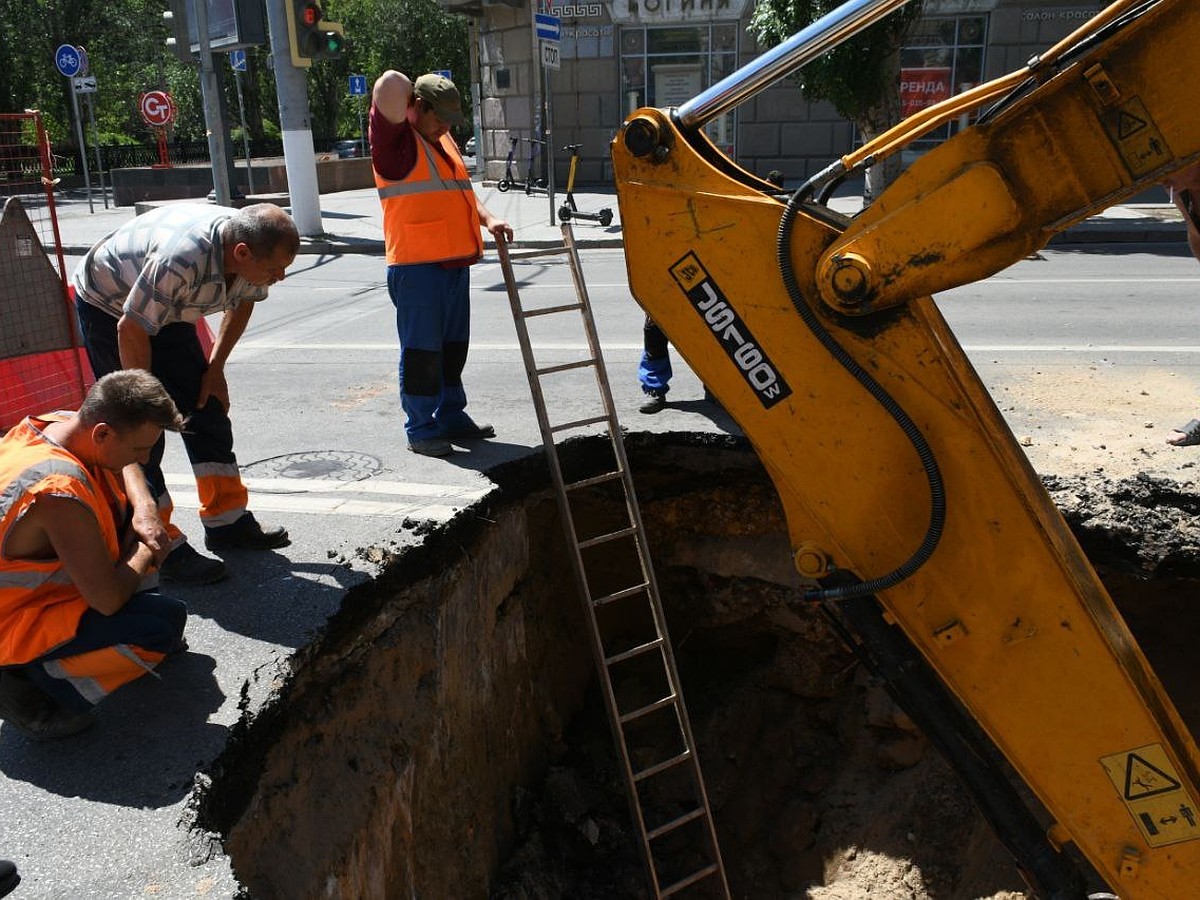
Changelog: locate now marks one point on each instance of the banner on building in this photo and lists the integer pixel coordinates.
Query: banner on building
(920, 88)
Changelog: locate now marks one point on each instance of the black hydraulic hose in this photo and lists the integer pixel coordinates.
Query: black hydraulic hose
(937, 489)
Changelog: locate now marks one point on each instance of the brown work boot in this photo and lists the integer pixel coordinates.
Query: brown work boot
(246, 534)
(185, 565)
(34, 713)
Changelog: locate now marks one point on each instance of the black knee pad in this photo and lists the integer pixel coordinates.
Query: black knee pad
(422, 373)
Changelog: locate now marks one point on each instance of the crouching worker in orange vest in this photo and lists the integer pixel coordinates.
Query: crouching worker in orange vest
(79, 532)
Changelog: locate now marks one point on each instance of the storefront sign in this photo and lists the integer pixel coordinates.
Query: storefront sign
(1058, 15)
(661, 11)
(920, 88)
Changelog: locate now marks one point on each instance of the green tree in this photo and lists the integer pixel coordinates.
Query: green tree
(126, 44)
(860, 77)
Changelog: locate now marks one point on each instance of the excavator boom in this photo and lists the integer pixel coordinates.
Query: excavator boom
(904, 489)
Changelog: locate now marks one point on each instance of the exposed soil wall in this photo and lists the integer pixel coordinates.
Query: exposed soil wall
(445, 737)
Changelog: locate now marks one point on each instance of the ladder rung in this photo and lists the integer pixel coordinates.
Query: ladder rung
(636, 651)
(621, 595)
(690, 880)
(550, 310)
(662, 766)
(537, 251)
(646, 710)
(658, 832)
(604, 538)
(595, 479)
(578, 423)
(580, 364)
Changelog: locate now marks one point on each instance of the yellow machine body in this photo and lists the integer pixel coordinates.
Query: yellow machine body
(1007, 610)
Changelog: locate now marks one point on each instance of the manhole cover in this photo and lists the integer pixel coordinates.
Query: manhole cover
(325, 465)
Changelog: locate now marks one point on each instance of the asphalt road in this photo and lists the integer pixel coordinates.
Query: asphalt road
(1072, 340)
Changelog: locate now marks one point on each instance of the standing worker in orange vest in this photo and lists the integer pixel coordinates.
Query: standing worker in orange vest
(79, 532)
(431, 227)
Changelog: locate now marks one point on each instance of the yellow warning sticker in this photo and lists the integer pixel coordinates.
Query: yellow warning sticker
(1153, 792)
(1135, 136)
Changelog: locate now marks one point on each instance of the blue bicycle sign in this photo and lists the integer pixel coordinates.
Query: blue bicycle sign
(67, 60)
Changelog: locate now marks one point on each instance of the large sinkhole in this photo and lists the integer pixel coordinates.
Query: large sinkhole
(445, 736)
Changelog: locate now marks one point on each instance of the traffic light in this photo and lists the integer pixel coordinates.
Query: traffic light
(311, 37)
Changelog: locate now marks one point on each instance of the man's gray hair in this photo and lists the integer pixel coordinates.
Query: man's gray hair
(264, 228)
(129, 399)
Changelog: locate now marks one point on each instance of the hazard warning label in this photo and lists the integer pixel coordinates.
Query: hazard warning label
(1136, 137)
(1154, 794)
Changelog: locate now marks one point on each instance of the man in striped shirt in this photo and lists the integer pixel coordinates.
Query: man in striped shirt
(139, 294)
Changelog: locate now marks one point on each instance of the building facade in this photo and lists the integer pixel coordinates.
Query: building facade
(618, 55)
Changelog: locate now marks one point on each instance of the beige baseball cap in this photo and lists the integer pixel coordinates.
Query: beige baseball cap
(441, 94)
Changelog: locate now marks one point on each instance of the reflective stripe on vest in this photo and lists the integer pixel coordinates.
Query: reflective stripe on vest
(16, 489)
(435, 182)
(431, 215)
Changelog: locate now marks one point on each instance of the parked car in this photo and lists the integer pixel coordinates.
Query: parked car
(347, 149)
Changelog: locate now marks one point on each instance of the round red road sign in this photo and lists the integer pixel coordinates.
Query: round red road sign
(157, 108)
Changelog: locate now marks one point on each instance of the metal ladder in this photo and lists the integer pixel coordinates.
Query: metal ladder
(628, 629)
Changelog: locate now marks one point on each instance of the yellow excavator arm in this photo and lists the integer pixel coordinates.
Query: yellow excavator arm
(910, 506)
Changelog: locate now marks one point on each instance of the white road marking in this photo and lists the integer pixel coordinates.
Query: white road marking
(314, 496)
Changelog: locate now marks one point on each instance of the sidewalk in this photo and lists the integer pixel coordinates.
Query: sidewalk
(352, 222)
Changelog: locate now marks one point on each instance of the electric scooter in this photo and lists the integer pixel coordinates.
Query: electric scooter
(534, 185)
(510, 175)
(568, 210)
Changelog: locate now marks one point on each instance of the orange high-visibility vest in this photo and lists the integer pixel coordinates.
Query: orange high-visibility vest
(430, 215)
(39, 606)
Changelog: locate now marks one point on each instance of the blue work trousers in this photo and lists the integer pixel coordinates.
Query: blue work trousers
(149, 622)
(433, 322)
(654, 371)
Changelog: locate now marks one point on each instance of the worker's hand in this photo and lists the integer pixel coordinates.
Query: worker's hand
(212, 384)
(149, 529)
(497, 227)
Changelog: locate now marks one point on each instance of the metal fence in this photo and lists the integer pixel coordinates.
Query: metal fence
(21, 164)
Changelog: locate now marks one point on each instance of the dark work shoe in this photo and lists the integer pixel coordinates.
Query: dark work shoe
(431, 447)
(185, 565)
(469, 432)
(34, 713)
(246, 534)
(9, 878)
(656, 401)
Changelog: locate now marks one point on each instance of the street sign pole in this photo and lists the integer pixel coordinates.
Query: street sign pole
(87, 178)
(212, 109)
(68, 61)
(237, 80)
(91, 105)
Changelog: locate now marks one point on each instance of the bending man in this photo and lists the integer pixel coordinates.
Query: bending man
(139, 293)
(431, 223)
(79, 531)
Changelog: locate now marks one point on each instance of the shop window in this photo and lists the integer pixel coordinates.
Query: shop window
(667, 66)
(943, 56)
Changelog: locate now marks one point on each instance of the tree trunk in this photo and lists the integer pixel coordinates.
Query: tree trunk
(874, 122)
